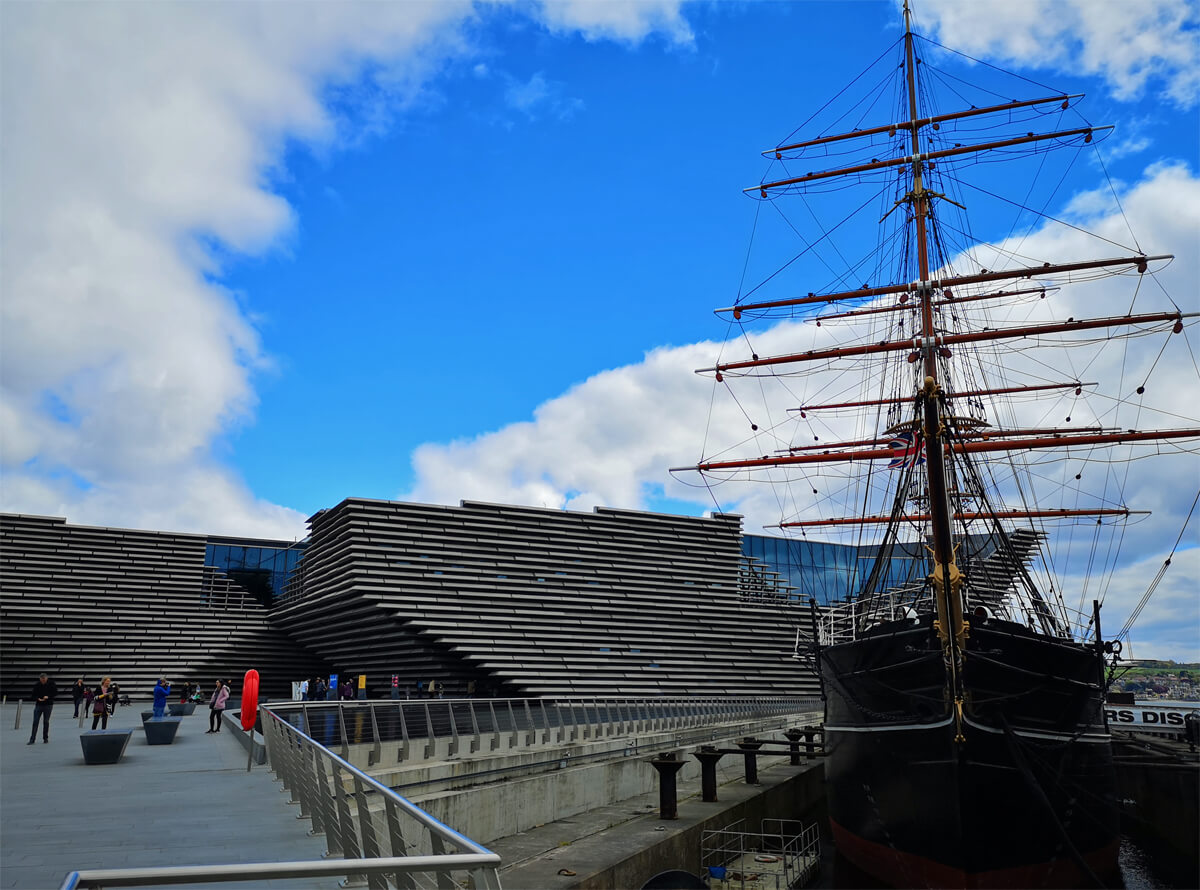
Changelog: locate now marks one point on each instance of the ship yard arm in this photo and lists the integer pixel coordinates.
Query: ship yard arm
(1140, 262)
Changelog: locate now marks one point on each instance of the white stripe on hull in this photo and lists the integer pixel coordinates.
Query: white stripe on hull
(1088, 737)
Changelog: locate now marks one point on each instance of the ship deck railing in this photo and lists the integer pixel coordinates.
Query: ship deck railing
(847, 621)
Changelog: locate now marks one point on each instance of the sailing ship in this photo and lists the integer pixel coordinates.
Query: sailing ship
(965, 733)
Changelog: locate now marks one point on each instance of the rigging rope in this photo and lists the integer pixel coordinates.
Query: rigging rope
(1133, 616)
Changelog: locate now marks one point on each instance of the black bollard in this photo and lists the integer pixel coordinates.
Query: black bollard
(794, 736)
(667, 765)
(810, 746)
(749, 745)
(708, 757)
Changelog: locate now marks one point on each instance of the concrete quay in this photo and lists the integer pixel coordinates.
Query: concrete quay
(588, 805)
(625, 844)
(188, 803)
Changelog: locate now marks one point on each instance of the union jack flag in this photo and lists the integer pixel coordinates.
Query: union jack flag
(906, 453)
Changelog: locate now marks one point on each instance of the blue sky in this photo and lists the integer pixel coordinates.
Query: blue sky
(260, 258)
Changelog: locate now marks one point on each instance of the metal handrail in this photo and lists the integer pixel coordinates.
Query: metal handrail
(416, 724)
(273, 871)
(292, 752)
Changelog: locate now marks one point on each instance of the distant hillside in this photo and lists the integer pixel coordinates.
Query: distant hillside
(1186, 671)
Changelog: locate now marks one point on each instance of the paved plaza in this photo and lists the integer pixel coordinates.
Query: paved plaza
(188, 803)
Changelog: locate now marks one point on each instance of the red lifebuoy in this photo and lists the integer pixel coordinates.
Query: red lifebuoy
(249, 700)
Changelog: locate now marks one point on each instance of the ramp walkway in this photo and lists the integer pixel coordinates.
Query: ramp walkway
(188, 803)
(193, 804)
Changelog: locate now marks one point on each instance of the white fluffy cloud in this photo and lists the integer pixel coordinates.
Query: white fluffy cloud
(1169, 626)
(140, 144)
(625, 20)
(611, 439)
(1135, 46)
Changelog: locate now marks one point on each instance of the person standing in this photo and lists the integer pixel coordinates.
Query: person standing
(78, 691)
(44, 691)
(303, 690)
(216, 706)
(100, 703)
(161, 690)
(321, 689)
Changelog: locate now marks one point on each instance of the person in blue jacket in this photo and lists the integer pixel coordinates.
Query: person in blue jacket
(161, 691)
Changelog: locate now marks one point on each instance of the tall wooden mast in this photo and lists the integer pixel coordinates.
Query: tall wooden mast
(946, 577)
(946, 441)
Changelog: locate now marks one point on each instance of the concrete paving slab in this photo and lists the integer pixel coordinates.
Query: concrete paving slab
(189, 803)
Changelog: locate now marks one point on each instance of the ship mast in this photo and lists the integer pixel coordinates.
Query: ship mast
(946, 578)
(946, 442)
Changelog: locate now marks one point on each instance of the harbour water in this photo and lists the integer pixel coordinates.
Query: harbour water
(1138, 871)
(1140, 868)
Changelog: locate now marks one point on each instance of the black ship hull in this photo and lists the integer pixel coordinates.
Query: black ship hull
(1026, 798)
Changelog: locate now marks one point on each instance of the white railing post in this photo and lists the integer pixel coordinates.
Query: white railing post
(453, 729)
(477, 742)
(341, 712)
(325, 801)
(494, 741)
(345, 822)
(377, 751)
(402, 755)
(366, 829)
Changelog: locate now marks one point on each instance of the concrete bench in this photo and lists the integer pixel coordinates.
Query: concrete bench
(182, 709)
(147, 715)
(161, 731)
(104, 745)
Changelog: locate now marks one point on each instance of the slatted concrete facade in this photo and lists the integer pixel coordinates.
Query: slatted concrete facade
(540, 602)
(77, 601)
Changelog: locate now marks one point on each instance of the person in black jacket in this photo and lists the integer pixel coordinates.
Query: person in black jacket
(78, 691)
(44, 691)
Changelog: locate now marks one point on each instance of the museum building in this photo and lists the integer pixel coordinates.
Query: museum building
(484, 599)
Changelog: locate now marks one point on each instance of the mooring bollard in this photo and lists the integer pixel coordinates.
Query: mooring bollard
(667, 765)
(794, 736)
(749, 745)
(810, 745)
(17, 723)
(708, 757)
